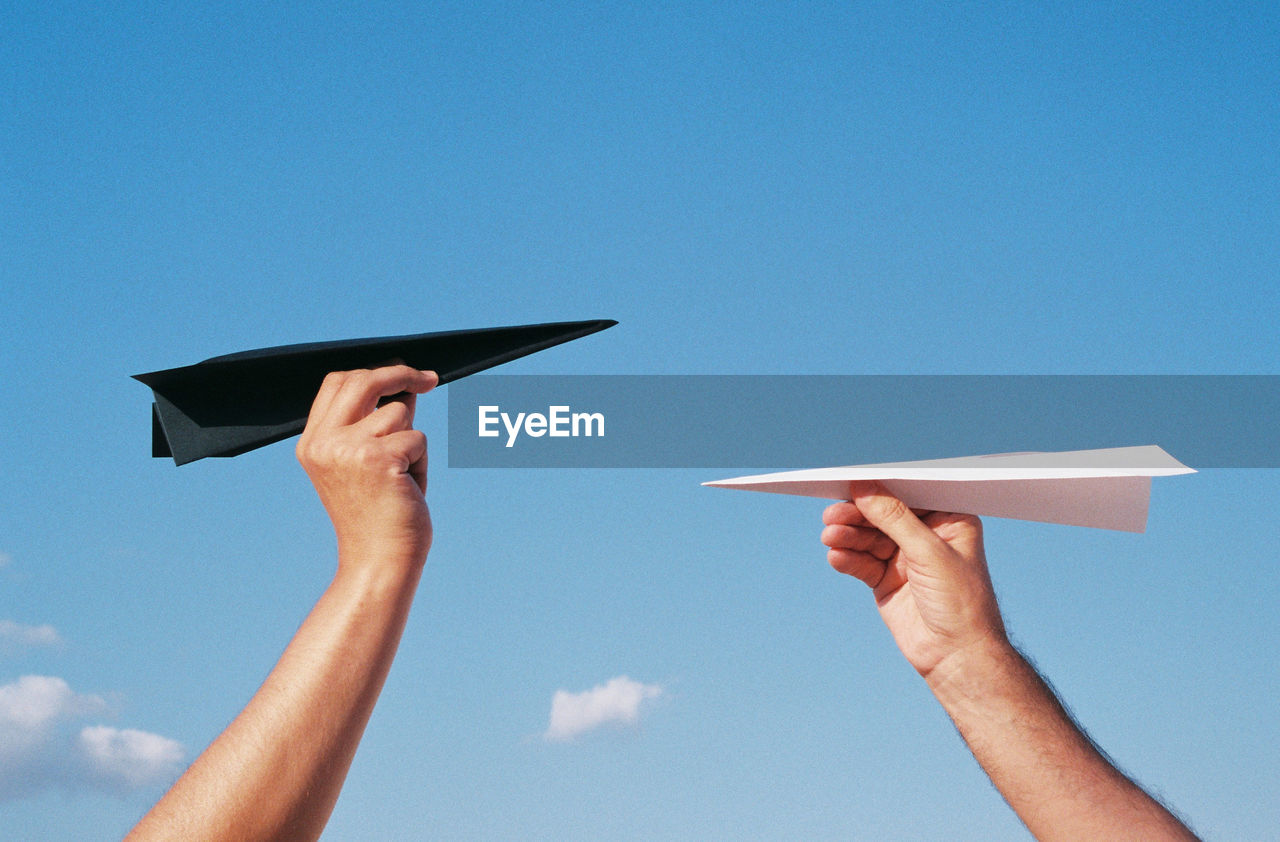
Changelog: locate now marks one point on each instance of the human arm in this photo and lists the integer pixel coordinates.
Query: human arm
(277, 769)
(928, 573)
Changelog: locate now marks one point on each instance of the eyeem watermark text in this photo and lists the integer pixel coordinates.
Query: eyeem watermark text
(558, 422)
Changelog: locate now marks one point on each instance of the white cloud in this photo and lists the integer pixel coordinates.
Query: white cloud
(128, 759)
(5, 558)
(34, 702)
(36, 754)
(616, 701)
(17, 636)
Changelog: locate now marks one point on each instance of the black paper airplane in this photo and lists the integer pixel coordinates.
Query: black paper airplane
(228, 405)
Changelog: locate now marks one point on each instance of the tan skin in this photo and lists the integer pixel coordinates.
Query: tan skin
(276, 771)
(928, 574)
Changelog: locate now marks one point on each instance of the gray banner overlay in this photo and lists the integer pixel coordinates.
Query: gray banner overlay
(747, 422)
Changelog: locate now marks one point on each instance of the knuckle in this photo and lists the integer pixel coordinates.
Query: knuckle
(325, 451)
(307, 449)
(412, 447)
(335, 378)
(363, 453)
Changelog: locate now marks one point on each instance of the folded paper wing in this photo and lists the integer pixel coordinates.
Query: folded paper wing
(228, 405)
(1107, 489)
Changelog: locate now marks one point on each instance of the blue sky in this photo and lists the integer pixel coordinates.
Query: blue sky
(886, 188)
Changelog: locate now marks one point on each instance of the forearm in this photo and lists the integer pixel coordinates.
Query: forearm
(276, 771)
(1053, 777)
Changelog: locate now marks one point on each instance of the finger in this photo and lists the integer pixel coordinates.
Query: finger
(329, 387)
(843, 512)
(892, 517)
(418, 468)
(361, 390)
(895, 576)
(964, 532)
(860, 538)
(864, 567)
(391, 416)
(847, 512)
(410, 446)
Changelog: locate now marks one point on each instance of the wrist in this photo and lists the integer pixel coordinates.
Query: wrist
(975, 671)
(377, 574)
(397, 549)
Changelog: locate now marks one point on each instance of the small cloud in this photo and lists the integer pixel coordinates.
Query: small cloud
(15, 636)
(34, 702)
(128, 759)
(616, 701)
(5, 558)
(37, 754)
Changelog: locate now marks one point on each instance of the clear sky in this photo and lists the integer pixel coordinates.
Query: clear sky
(826, 188)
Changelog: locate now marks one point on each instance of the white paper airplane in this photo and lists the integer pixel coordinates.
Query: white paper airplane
(1107, 489)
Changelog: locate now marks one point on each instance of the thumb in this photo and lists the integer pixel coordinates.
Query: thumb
(892, 517)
